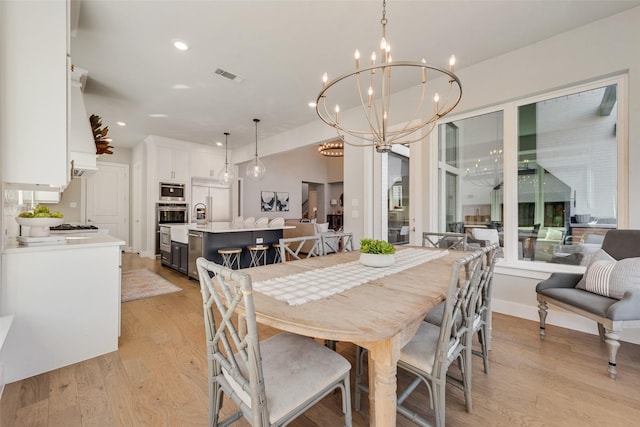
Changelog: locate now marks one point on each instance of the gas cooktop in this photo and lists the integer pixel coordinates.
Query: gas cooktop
(68, 228)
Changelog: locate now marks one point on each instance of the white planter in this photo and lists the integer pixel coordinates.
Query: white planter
(377, 260)
(39, 227)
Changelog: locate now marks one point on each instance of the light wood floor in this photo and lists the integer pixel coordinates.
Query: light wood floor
(158, 377)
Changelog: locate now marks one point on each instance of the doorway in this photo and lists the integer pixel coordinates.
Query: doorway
(313, 201)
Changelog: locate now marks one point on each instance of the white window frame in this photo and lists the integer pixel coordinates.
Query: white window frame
(510, 264)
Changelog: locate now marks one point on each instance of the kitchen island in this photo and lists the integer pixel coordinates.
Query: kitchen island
(218, 235)
(65, 302)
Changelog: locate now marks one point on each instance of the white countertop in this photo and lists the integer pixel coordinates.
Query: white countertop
(224, 227)
(72, 241)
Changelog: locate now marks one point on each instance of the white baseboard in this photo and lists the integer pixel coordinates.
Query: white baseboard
(558, 317)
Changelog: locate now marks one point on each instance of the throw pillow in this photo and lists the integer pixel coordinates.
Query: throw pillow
(612, 278)
(600, 255)
(322, 227)
(490, 234)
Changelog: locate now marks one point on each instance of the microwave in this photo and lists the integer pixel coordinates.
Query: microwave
(172, 192)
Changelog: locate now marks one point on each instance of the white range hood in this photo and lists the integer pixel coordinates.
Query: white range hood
(82, 148)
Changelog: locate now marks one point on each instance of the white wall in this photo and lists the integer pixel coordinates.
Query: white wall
(285, 173)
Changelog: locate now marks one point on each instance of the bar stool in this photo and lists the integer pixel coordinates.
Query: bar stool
(277, 258)
(258, 254)
(230, 256)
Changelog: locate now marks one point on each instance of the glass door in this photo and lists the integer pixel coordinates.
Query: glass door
(398, 197)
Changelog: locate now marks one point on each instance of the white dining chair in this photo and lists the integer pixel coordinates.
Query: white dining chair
(271, 381)
(431, 239)
(336, 242)
(290, 247)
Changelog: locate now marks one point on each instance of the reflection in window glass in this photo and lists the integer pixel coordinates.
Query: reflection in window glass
(567, 175)
(398, 198)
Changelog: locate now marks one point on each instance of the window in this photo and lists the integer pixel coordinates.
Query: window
(553, 181)
(567, 174)
(471, 152)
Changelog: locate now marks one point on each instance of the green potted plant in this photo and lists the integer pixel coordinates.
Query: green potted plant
(376, 253)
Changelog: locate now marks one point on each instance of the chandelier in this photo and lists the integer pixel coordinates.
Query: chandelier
(332, 149)
(256, 169)
(226, 175)
(374, 130)
(488, 173)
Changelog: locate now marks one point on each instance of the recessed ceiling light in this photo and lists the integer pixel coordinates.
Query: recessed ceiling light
(121, 123)
(180, 86)
(180, 45)
(219, 144)
(312, 104)
(157, 115)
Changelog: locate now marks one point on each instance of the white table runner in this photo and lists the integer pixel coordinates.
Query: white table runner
(300, 288)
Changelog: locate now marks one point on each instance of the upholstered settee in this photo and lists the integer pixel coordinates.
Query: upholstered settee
(608, 292)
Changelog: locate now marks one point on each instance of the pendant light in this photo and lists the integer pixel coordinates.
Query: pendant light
(226, 175)
(256, 169)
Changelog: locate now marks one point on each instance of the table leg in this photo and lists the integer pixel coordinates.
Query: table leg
(383, 357)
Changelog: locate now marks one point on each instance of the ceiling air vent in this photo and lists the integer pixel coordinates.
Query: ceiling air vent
(228, 75)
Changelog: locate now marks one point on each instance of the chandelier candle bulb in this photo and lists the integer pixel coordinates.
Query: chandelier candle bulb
(452, 62)
(357, 56)
(373, 60)
(325, 78)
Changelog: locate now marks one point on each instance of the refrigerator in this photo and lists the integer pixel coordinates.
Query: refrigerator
(214, 196)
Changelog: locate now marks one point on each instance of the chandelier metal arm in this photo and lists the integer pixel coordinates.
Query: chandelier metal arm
(361, 134)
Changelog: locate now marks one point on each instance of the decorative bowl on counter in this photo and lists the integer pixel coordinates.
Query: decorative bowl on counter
(38, 227)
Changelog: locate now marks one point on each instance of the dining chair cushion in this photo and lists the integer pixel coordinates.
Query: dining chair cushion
(288, 380)
(420, 352)
(490, 234)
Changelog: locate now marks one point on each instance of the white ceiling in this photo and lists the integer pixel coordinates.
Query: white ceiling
(281, 49)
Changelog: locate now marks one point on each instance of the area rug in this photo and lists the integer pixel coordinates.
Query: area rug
(142, 283)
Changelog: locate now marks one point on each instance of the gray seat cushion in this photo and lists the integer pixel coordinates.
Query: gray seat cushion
(588, 301)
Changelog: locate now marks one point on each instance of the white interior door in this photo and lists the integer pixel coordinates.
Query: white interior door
(108, 199)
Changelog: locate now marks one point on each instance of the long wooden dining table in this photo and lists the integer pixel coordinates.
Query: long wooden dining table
(381, 315)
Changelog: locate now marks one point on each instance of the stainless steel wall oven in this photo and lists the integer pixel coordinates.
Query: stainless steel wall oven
(170, 213)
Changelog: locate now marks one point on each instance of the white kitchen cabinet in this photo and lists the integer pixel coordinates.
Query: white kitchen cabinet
(65, 303)
(34, 86)
(206, 163)
(173, 165)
